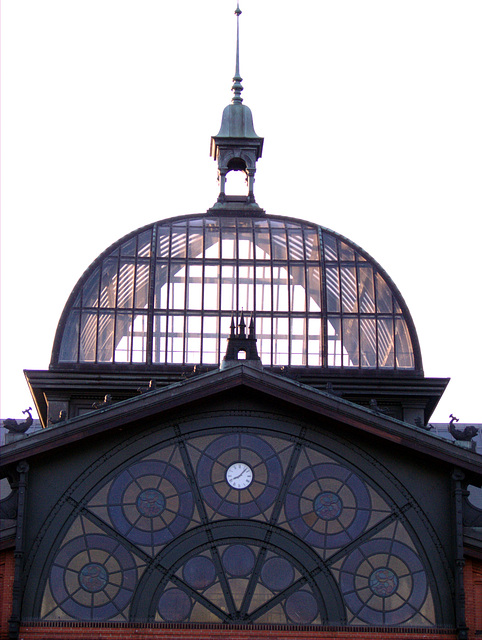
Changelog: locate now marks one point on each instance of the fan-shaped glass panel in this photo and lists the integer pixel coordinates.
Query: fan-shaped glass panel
(166, 295)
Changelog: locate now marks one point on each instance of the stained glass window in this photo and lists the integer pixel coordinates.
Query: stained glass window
(239, 525)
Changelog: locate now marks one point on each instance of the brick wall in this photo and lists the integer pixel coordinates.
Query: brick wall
(269, 632)
(473, 597)
(7, 566)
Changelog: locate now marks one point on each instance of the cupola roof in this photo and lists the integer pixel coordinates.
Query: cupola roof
(237, 147)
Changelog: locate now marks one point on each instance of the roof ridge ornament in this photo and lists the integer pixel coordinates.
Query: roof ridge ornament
(237, 79)
(241, 346)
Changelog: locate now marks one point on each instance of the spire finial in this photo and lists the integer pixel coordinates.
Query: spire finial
(237, 86)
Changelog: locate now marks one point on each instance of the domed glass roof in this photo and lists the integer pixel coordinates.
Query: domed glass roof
(166, 293)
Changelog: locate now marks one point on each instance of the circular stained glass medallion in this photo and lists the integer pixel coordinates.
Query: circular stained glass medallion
(89, 590)
(389, 593)
(174, 605)
(151, 503)
(319, 515)
(199, 572)
(93, 577)
(238, 560)
(259, 473)
(301, 607)
(277, 573)
(383, 582)
(327, 505)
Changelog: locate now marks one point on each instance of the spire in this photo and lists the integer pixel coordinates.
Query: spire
(237, 147)
(237, 86)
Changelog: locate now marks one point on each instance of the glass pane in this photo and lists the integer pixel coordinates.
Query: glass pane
(329, 243)
(193, 344)
(315, 342)
(334, 342)
(350, 342)
(368, 339)
(298, 352)
(144, 244)
(177, 286)
(90, 291)
(332, 288)
(194, 287)
(139, 338)
(224, 333)
(295, 244)
(228, 288)
(175, 339)
(123, 339)
(129, 247)
(280, 288)
(263, 288)
(314, 289)
(108, 283)
(195, 240)
(163, 242)
(297, 288)
(210, 339)
(312, 244)
(246, 287)
(366, 292)
(159, 339)
(105, 344)
(178, 241)
(263, 249)
(403, 345)
(245, 245)
(346, 252)
(161, 287)
(278, 240)
(88, 336)
(70, 339)
(125, 294)
(211, 239)
(142, 285)
(281, 341)
(385, 343)
(228, 244)
(264, 336)
(384, 296)
(211, 286)
(349, 289)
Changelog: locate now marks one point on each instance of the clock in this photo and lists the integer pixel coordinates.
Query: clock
(239, 475)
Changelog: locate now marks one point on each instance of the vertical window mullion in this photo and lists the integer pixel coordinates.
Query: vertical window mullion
(220, 293)
(186, 289)
(150, 294)
(116, 305)
(203, 271)
(168, 300)
(271, 268)
(99, 292)
(357, 285)
(324, 300)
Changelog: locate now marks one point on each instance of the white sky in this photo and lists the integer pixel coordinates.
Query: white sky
(372, 117)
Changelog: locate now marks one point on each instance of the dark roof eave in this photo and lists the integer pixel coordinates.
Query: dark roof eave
(216, 382)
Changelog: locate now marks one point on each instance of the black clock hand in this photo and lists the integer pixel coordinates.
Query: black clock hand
(243, 471)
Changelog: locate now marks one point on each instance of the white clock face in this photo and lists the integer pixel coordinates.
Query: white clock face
(239, 475)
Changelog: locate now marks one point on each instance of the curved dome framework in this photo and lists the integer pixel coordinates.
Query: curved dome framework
(166, 294)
